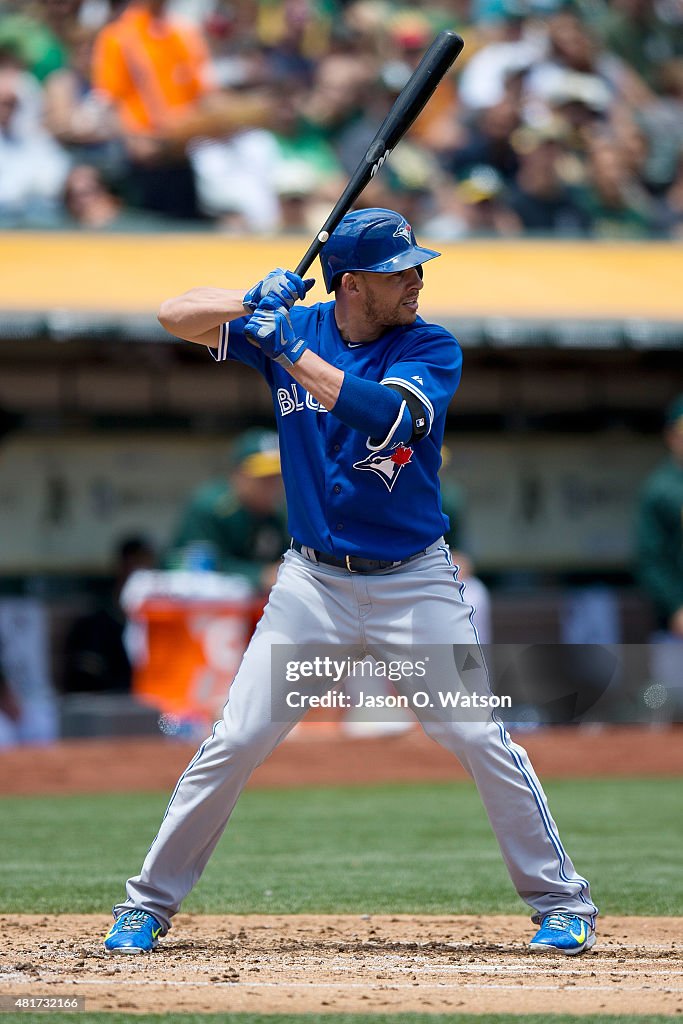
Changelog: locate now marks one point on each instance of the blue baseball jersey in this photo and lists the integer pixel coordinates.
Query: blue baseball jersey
(344, 497)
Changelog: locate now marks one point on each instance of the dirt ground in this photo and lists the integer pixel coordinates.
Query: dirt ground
(325, 964)
(322, 755)
(361, 964)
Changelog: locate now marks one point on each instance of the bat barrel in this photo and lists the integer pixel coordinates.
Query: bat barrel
(419, 88)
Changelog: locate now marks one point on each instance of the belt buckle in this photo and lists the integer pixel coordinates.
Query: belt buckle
(347, 559)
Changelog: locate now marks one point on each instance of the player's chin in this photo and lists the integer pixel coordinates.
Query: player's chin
(409, 312)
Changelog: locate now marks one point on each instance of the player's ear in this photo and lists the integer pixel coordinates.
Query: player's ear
(349, 283)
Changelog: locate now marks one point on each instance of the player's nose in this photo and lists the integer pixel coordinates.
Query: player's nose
(415, 278)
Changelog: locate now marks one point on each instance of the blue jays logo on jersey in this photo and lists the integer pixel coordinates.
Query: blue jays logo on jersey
(387, 464)
(404, 230)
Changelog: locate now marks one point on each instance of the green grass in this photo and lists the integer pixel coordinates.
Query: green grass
(380, 849)
(332, 1018)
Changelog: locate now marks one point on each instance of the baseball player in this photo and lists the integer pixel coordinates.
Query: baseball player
(360, 387)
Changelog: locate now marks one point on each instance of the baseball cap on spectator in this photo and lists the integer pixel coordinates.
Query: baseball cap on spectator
(483, 183)
(410, 30)
(501, 10)
(674, 413)
(576, 87)
(411, 169)
(256, 453)
(526, 138)
(546, 8)
(219, 24)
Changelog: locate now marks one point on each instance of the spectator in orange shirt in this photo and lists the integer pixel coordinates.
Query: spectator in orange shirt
(157, 74)
(154, 69)
(153, 72)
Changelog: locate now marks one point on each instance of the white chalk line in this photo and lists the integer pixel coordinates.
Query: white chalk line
(485, 969)
(120, 983)
(529, 969)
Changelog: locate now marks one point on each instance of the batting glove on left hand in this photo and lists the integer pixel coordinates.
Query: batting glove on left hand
(279, 288)
(272, 330)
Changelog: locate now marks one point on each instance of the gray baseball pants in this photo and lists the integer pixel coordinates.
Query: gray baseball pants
(419, 603)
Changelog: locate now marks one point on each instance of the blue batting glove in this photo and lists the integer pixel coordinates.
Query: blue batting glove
(272, 330)
(280, 287)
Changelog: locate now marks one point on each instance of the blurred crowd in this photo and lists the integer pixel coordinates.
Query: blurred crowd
(560, 119)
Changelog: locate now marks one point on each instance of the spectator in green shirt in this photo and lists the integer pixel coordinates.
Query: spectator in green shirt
(660, 529)
(237, 524)
(34, 32)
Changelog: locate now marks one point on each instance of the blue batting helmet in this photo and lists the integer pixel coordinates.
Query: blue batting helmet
(376, 240)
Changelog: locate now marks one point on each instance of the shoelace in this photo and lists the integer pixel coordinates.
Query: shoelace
(134, 921)
(558, 922)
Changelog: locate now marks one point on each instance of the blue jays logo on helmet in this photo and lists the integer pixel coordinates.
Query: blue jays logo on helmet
(404, 230)
(375, 240)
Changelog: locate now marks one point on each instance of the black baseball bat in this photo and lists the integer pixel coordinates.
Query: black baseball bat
(409, 103)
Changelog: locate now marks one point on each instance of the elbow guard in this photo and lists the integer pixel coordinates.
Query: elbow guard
(411, 424)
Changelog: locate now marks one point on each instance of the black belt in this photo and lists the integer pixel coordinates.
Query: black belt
(351, 562)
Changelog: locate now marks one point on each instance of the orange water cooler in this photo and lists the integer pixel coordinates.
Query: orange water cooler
(187, 633)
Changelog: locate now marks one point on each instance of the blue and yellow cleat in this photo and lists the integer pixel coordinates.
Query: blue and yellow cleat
(135, 931)
(563, 933)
